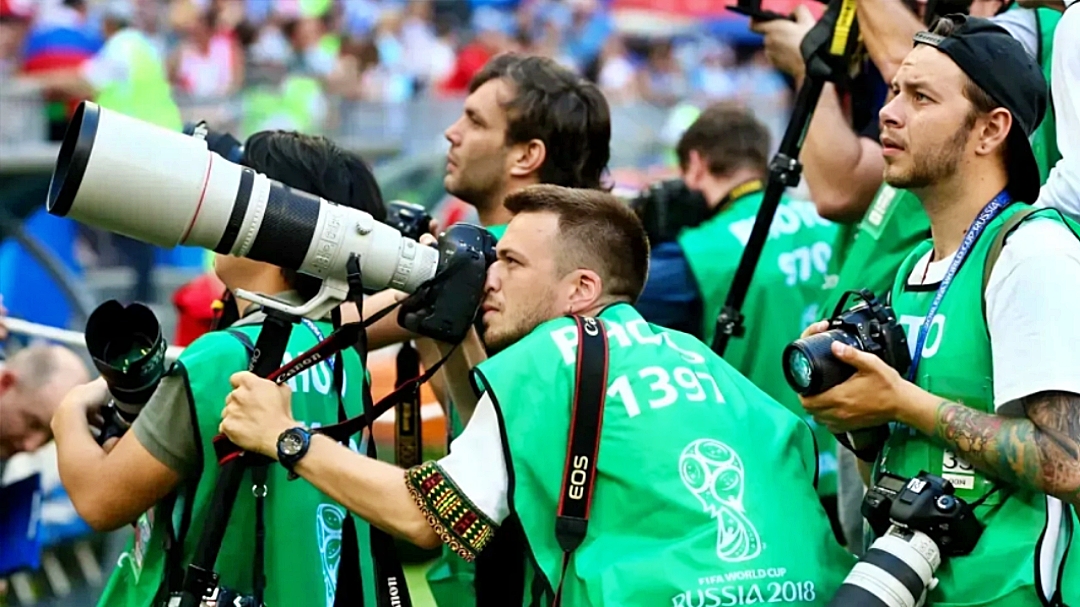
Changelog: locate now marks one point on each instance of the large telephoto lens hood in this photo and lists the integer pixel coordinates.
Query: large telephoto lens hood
(74, 156)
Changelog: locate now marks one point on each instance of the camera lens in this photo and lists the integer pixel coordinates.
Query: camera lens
(809, 365)
(801, 369)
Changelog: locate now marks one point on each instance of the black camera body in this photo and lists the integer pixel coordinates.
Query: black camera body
(128, 350)
(412, 220)
(667, 208)
(445, 308)
(924, 503)
(809, 365)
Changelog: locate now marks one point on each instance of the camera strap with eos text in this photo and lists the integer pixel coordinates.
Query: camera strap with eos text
(583, 445)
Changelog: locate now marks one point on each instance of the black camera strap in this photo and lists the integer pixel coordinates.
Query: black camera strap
(408, 422)
(583, 446)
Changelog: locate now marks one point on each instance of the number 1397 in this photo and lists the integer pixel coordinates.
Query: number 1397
(665, 388)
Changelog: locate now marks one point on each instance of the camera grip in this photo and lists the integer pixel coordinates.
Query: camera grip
(113, 425)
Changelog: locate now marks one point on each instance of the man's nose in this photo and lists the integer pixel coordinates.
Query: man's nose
(494, 277)
(891, 113)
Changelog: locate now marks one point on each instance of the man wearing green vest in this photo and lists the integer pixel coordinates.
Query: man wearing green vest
(992, 400)
(724, 155)
(894, 222)
(160, 475)
(527, 120)
(704, 490)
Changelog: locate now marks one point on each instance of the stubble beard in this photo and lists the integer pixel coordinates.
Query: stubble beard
(933, 167)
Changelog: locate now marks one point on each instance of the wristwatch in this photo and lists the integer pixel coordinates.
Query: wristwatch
(292, 445)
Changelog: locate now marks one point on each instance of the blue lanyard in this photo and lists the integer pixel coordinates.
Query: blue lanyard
(989, 212)
(318, 337)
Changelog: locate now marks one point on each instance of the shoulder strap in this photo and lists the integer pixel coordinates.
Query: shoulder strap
(587, 418)
(999, 243)
(244, 339)
(258, 486)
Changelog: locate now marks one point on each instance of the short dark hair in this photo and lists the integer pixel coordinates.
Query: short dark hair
(552, 104)
(728, 136)
(981, 101)
(596, 231)
(317, 166)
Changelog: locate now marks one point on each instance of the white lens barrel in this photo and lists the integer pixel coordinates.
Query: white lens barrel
(140, 180)
(896, 571)
(386, 258)
(134, 178)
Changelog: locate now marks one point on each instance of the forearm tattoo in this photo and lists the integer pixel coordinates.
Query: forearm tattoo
(1041, 451)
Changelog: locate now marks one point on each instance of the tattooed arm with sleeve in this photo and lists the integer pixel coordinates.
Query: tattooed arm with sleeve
(1033, 437)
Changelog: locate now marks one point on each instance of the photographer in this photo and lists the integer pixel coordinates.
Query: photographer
(723, 156)
(527, 120)
(696, 468)
(162, 473)
(992, 402)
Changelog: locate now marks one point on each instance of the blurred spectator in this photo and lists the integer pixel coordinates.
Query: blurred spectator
(32, 383)
(663, 81)
(208, 63)
(60, 40)
(492, 37)
(14, 24)
(617, 77)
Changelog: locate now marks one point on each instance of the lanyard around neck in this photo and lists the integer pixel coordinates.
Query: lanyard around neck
(989, 212)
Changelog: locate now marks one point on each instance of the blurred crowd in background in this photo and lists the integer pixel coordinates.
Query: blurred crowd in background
(258, 53)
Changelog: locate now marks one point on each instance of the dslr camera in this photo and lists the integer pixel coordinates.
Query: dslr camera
(667, 208)
(917, 522)
(810, 367)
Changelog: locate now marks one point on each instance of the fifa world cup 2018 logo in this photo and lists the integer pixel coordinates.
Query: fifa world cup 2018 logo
(713, 472)
(329, 523)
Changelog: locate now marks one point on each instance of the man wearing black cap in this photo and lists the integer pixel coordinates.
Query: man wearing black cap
(992, 400)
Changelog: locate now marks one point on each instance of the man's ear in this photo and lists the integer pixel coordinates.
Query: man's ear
(527, 158)
(586, 287)
(993, 131)
(696, 170)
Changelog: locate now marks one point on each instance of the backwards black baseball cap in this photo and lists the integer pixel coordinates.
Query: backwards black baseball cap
(1000, 66)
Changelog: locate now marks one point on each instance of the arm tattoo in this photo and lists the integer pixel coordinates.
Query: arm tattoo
(1041, 451)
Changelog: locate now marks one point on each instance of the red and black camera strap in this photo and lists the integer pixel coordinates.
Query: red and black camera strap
(583, 445)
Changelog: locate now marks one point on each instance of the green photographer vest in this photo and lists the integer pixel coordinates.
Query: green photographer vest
(783, 299)
(704, 489)
(956, 365)
(450, 578)
(303, 526)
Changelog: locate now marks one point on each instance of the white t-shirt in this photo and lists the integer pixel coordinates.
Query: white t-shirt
(476, 463)
(1033, 315)
(1062, 188)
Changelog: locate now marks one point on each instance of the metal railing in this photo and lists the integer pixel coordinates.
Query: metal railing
(641, 134)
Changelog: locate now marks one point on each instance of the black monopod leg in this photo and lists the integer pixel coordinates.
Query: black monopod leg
(784, 172)
(201, 580)
(826, 48)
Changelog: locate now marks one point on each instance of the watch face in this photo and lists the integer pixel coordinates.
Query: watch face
(291, 444)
